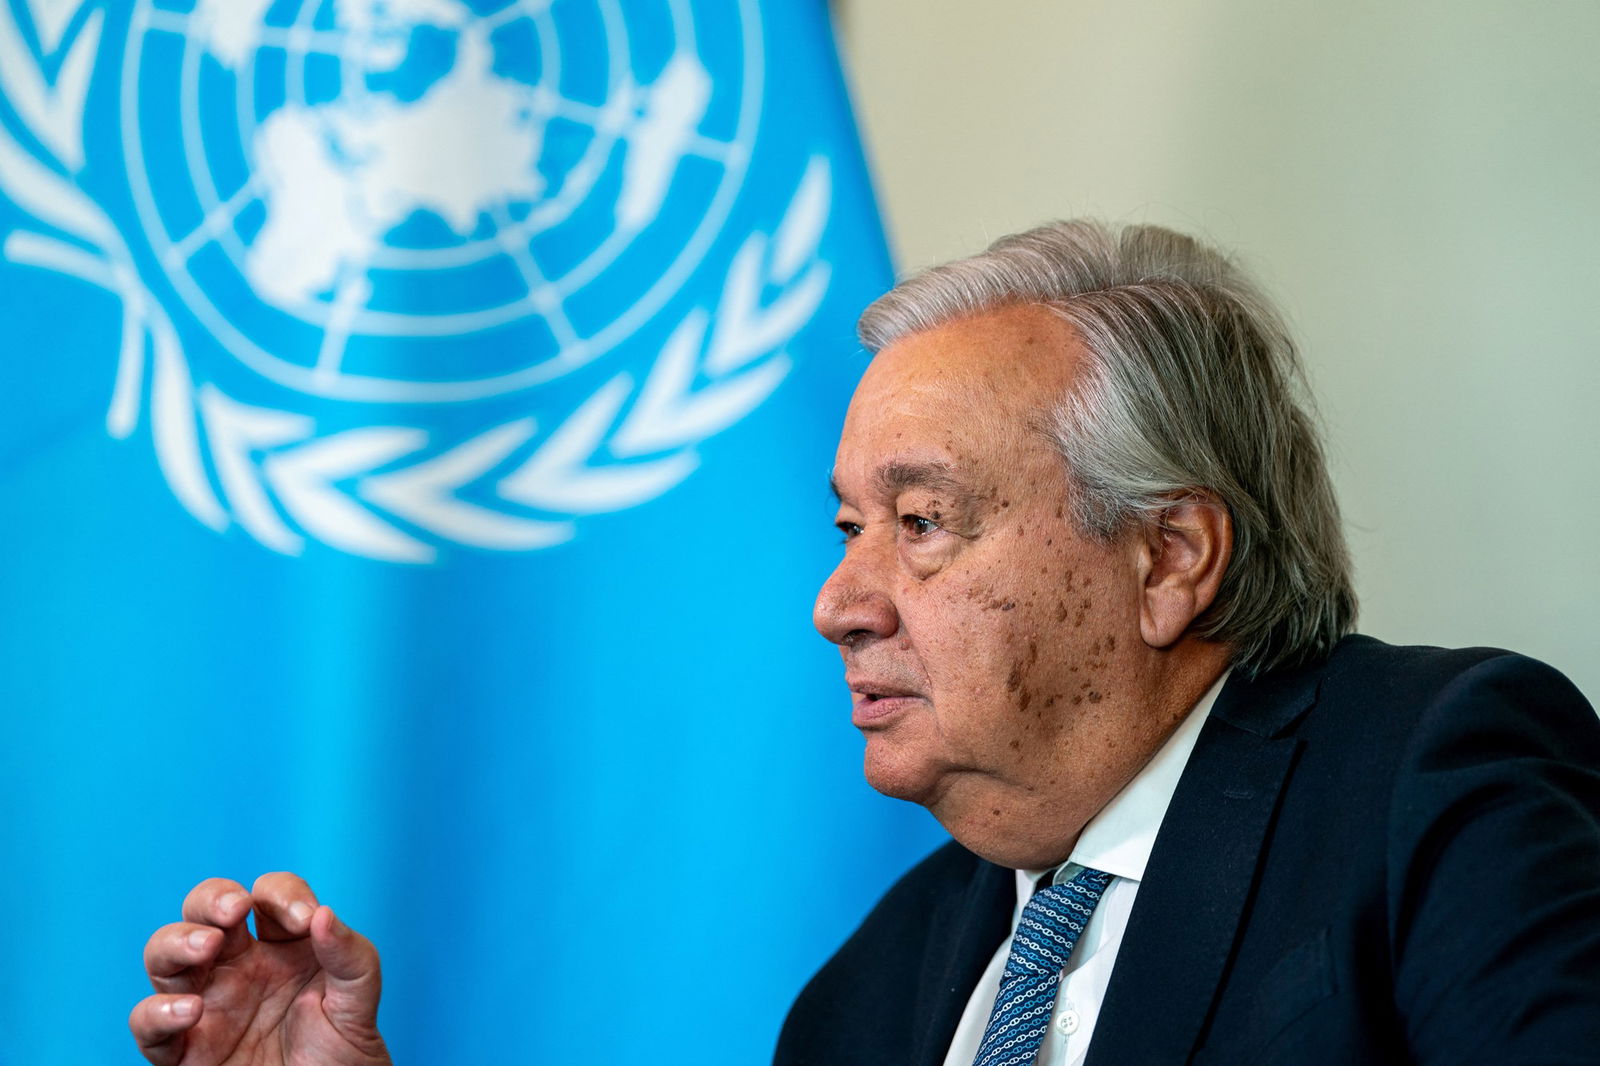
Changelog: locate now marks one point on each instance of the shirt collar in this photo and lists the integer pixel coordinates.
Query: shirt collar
(1119, 839)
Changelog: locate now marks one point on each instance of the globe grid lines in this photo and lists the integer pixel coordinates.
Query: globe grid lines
(219, 219)
(471, 250)
(336, 334)
(545, 215)
(729, 156)
(548, 304)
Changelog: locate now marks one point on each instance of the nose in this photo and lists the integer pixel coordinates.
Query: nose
(854, 604)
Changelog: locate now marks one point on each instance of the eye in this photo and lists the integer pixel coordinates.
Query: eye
(917, 526)
(851, 530)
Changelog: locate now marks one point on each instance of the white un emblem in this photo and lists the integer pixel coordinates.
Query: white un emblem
(365, 233)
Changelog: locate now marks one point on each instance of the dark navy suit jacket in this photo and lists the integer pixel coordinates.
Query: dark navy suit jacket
(1390, 856)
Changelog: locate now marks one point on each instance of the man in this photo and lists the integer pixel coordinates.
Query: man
(1093, 610)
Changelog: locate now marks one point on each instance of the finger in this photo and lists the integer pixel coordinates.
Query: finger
(353, 978)
(225, 904)
(159, 1024)
(178, 956)
(284, 905)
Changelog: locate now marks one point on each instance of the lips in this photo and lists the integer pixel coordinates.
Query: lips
(874, 701)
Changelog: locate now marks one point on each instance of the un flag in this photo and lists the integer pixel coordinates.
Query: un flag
(414, 476)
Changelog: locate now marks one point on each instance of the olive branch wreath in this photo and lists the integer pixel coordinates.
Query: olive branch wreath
(271, 474)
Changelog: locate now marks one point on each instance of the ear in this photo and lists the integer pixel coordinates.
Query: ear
(1183, 554)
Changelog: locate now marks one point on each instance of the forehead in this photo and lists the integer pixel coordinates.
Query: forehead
(965, 393)
(1027, 352)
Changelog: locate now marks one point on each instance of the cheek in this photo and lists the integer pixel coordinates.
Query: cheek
(1018, 642)
(969, 638)
(1068, 660)
(1047, 650)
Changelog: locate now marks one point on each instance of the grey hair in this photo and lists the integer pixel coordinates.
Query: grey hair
(1193, 387)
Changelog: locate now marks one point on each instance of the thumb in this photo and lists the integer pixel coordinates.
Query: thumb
(353, 980)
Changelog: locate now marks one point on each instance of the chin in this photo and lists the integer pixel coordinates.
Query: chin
(1013, 855)
(986, 824)
(900, 774)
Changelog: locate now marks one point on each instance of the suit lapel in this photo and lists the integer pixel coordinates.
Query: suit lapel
(968, 926)
(1200, 873)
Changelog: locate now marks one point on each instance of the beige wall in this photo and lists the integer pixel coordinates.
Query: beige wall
(1419, 183)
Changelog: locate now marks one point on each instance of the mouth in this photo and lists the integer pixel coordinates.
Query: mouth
(873, 703)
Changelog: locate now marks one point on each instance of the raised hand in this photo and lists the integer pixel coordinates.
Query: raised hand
(302, 992)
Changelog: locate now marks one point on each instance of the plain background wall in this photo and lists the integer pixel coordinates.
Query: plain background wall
(1417, 184)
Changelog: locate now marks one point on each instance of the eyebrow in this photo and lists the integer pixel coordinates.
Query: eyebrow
(897, 477)
(893, 478)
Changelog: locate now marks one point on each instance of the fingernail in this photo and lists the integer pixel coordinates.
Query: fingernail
(299, 911)
(199, 939)
(231, 901)
(336, 927)
(183, 1008)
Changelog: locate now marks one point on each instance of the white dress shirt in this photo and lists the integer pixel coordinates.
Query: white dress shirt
(1117, 841)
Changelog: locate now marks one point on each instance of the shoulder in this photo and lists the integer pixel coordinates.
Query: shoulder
(1415, 699)
(1493, 828)
(1433, 741)
(1397, 733)
(888, 990)
(1409, 672)
(900, 927)
(1429, 878)
(927, 885)
(900, 923)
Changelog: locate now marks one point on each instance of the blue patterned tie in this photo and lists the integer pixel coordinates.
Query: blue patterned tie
(1051, 924)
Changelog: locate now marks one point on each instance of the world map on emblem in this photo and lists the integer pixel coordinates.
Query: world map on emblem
(429, 200)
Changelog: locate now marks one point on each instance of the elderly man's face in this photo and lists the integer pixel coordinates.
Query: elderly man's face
(993, 653)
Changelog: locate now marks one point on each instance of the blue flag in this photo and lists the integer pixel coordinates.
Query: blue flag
(414, 476)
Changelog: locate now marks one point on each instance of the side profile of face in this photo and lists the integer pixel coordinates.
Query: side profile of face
(1001, 664)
